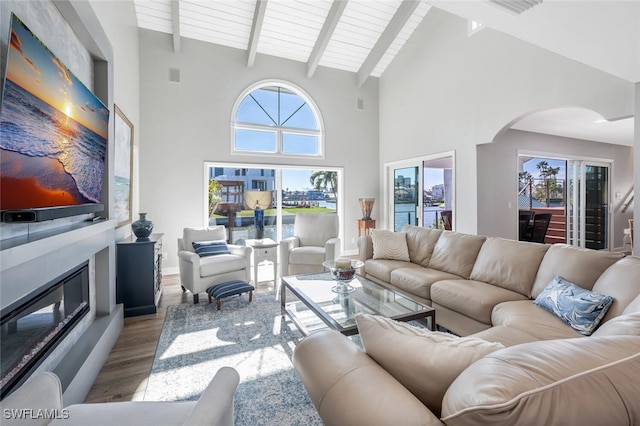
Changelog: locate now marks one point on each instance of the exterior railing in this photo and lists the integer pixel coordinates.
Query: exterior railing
(542, 193)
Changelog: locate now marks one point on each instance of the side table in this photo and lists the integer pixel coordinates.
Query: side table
(365, 226)
(264, 250)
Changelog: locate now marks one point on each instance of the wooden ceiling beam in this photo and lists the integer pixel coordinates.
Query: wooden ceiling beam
(390, 33)
(256, 28)
(328, 27)
(175, 24)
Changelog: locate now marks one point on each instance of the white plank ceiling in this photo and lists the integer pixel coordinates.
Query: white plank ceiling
(361, 36)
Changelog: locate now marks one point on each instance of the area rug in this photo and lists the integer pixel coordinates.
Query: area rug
(197, 340)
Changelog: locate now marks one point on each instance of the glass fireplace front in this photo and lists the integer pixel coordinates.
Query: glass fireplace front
(34, 325)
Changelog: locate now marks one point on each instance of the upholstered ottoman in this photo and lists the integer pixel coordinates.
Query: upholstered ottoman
(231, 288)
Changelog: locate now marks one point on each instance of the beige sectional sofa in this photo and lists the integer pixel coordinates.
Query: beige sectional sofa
(476, 282)
(483, 288)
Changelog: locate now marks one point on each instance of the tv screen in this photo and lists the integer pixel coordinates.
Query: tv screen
(53, 131)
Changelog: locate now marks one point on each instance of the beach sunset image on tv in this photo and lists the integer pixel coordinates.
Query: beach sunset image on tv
(53, 130)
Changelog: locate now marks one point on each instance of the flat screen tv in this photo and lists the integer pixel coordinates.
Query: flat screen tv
(53, 135)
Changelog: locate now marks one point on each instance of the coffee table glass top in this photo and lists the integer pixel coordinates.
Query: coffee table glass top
(317, 306)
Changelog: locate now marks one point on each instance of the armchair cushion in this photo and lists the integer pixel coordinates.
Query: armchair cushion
(192, 235)
(217, 265)
(310, 255)
(210, 248)
(315, 229)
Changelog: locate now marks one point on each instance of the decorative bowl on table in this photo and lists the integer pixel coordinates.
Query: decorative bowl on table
(342, 272)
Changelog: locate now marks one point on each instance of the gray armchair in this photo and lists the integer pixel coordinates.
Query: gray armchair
(315, 239)
(44, 392)
(199, 273)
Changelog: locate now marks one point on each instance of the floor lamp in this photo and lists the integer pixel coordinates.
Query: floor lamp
(258, 201)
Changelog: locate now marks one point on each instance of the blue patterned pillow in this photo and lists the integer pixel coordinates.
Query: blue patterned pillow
(210, 248)
(581, 309)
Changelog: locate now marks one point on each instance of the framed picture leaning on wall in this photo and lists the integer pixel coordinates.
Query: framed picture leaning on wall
(123, 167)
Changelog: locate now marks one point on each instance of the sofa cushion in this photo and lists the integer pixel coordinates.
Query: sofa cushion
(382, 268)
(192, 235)
(581, 309)
(390, 245)
(474, 299)
(506, 335)
(418, 280)
(634, 306)
(509, 264)
(628, 324)
(425, 362)
(525, 316)
(456, 253)
(578, 265)
(587, 381)
(622, 281)
(210, 248)
(421, 242)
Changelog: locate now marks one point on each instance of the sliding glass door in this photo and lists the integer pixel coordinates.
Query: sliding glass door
(292, 191)
(405, 197)
(421, 192)
(588, 209)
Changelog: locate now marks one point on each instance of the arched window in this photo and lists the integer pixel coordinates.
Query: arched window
(274, 117)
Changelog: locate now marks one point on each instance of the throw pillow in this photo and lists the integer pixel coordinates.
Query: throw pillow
(581, 309)
(210, 248)
(425, 362)
(389, 245)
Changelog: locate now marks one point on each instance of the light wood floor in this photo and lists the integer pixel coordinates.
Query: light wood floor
(125, 374)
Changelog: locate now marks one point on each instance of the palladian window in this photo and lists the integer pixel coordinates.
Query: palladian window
(276, 118)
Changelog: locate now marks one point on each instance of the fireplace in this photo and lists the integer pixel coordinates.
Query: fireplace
(33, 326)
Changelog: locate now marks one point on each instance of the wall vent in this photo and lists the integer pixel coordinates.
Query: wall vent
(174, 75)
(515, 7)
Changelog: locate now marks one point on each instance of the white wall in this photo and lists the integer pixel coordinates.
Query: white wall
(184, 125)
(118, 20)
(497, 163)
(447, 91)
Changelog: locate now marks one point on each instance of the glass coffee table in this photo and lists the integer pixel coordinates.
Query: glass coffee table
(316, 306)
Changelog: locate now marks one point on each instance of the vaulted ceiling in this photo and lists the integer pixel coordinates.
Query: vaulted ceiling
(363, 36)
(360, 36)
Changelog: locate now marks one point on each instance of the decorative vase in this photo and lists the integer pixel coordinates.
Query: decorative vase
(366, 206)
(142, 227)
(258, 221)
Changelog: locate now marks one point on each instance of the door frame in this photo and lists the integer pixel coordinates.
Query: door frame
(584, 160)
(388, 184)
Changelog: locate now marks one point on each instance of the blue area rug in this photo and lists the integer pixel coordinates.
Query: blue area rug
(197, 340)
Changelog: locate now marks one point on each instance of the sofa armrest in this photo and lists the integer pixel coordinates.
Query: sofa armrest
(189, 268)
(245, 252)
(215, 405)
(346, 385)
(332, 249)
(365, 248)
(41, 392)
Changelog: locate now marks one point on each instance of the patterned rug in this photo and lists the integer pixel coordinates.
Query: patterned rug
(197, 340)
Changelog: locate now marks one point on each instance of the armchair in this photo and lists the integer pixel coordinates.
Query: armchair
(315, 240)
(42, 393)
(199, 273)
